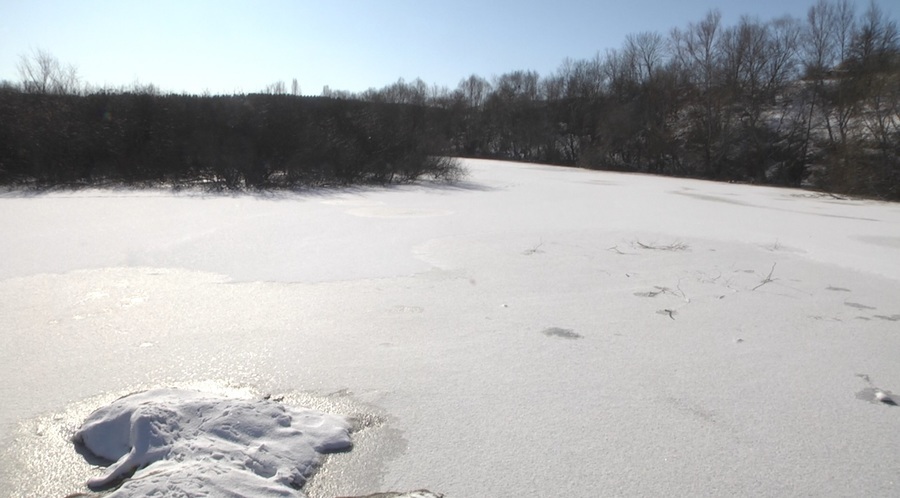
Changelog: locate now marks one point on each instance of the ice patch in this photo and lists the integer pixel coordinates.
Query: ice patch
(187, 441)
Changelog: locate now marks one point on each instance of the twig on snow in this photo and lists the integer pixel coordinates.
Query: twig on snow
(535, 249)
(767, 279)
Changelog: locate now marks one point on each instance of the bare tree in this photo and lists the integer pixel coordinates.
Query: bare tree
(475, 91)
(842, 104)
(473, 133)
(439, 96)
(277, 88)
(874, 67)
(826, 42)
(782, 51)
(819, 53)
(143, 89)
(519, 85)
(645, 54)
(818, 56)
(875, 39)
(573, 94)
(757, 61)
(43, 73)
(844, 27)
(696, 51)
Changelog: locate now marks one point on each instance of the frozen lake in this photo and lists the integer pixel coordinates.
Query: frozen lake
(532, 331)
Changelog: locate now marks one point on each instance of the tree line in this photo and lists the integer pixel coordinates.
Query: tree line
(786, 101)
(256, 141)
(55, 132)
(782, 101)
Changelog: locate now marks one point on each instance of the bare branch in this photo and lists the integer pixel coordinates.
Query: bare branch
(767, 279)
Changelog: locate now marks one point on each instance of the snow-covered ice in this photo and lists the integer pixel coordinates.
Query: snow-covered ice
(533, 331)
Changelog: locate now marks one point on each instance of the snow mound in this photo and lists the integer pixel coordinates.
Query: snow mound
(197, 444)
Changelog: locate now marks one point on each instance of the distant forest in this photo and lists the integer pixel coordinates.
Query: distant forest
(813, 102)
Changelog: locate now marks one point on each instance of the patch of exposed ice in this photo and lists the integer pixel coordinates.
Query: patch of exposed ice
(186, 441)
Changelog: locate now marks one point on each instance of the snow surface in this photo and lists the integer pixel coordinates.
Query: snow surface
(533, 331)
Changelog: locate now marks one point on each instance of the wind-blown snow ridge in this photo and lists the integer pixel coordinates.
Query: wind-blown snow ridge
(189, 442)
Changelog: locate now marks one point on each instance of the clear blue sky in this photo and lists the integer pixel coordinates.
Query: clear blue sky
(227, 46)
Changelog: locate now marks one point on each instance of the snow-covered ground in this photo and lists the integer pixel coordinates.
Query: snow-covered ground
(532, 331)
